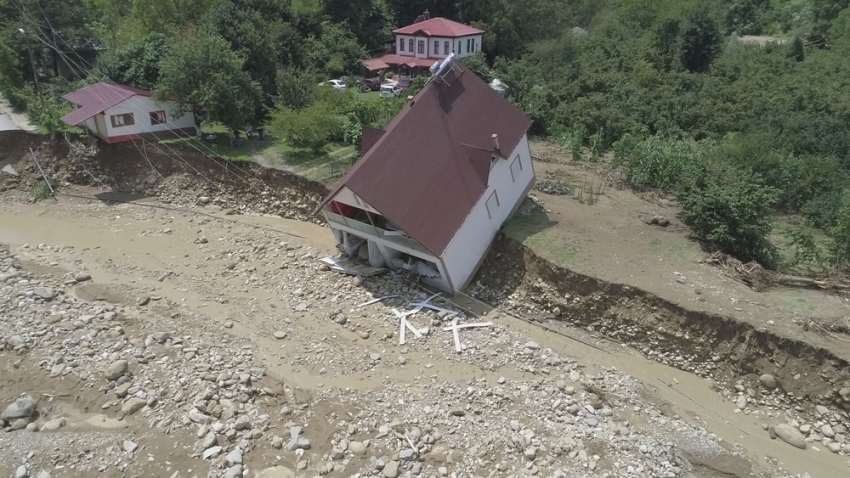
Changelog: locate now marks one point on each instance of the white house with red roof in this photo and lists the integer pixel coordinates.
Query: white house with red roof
(431, 192)
(117, 113)
(429, 40)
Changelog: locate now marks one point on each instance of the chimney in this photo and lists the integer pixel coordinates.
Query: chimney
(495, 138)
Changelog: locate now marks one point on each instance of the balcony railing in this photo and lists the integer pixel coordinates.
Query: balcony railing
(371, 231)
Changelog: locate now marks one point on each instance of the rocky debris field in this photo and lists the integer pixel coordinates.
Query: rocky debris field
(145, 384)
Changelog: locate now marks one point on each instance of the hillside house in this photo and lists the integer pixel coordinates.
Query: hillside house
(431, 191)
(117, 113)
(427, 41)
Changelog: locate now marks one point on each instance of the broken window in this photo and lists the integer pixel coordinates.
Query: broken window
(158, 117)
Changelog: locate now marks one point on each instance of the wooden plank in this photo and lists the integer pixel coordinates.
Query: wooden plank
(467, 326)
(456, 335)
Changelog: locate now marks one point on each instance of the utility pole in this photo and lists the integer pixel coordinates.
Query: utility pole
(32, 64)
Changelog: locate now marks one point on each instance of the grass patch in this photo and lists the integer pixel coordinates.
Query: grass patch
(40, 191)
(535, 231)
(332, 162)
(246, 151)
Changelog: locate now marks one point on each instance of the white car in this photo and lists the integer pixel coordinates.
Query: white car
(390, 91)
(339, 85)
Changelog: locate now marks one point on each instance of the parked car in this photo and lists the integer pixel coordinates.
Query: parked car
(369, 84)
(390, 91)
(339, 85)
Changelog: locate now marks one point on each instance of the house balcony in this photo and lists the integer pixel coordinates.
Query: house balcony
(367, 231)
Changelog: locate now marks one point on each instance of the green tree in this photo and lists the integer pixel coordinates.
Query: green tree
(700, 42)
(797, 52)
(296, 89)
(12, 85)
(204, 74)
(312, 127)
(733, 212)
(335, 51)
(137, 64)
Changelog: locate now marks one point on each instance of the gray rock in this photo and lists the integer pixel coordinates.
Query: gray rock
(834, 447)
(199, 417)
(133, 405)
(280, 335)
(15, 341)
(82, 277)
(530, 453)
(209, 441)
(121, 390)
(741, 401)
(827, 431)
(298, 443)
(234, 457)
(161, 337)
(408, 454)
(242, 423)
(22, 472)
(43, 474)
(23, 407)
(117, 369)
(822, 410)
(790, 435)
(144, 300)
(390, 470)
(45, 293)
(234, 471)
(532, 345)
(53, 425)
(768, 381)
(211, 452)
(357, 448)
(130, 446)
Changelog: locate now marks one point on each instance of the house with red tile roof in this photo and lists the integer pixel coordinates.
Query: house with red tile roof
(427, 41)
(430, 193)
(117, 113)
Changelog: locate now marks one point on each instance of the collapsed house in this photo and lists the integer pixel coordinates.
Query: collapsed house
(430, 193)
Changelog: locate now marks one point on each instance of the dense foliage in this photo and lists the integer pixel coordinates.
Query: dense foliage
(741, 129)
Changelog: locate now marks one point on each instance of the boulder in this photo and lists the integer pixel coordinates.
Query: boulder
(790, 435)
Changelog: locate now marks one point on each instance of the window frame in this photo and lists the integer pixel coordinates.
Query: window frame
(420, 47)
(446, 47)
(517, 161)
(158, 121)
(401, 44)
(436, 47)
(410, 44)
(487, 203)
(124, 116)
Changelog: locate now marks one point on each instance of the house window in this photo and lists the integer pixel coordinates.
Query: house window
(410, 44)
(493, 205)
(467, 45)
(516, 168)
(122, 120)
(401, 45)
(436, 48)
(421, 46)
(458, 48)
(158, 117)
(446, 47)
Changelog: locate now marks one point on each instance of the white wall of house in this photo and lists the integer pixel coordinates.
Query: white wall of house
(508, 183)
(141, 107)
(462, 47)
(467, 46)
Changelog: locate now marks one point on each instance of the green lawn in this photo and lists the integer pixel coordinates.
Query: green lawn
(246, 151)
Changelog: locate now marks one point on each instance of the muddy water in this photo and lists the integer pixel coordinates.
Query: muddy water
(107, 241)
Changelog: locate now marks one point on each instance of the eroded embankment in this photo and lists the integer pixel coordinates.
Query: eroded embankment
(709, 345)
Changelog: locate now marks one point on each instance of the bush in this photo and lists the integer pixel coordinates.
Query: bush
(733, 213)
(312, 127)
(840, 247)
(661, 163)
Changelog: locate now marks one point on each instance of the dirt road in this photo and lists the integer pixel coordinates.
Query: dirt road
(236, 338)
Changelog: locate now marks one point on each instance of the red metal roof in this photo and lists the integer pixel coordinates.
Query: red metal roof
(439, 27)
(96, 98)
(396, 59)
(375, 64)
(430, 168)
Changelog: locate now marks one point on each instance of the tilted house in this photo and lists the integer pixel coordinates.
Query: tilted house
(118, 113)
(430, 193)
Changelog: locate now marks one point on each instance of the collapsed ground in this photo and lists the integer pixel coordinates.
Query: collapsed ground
(263, 289)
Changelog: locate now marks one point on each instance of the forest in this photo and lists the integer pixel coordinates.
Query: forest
(738, 108)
